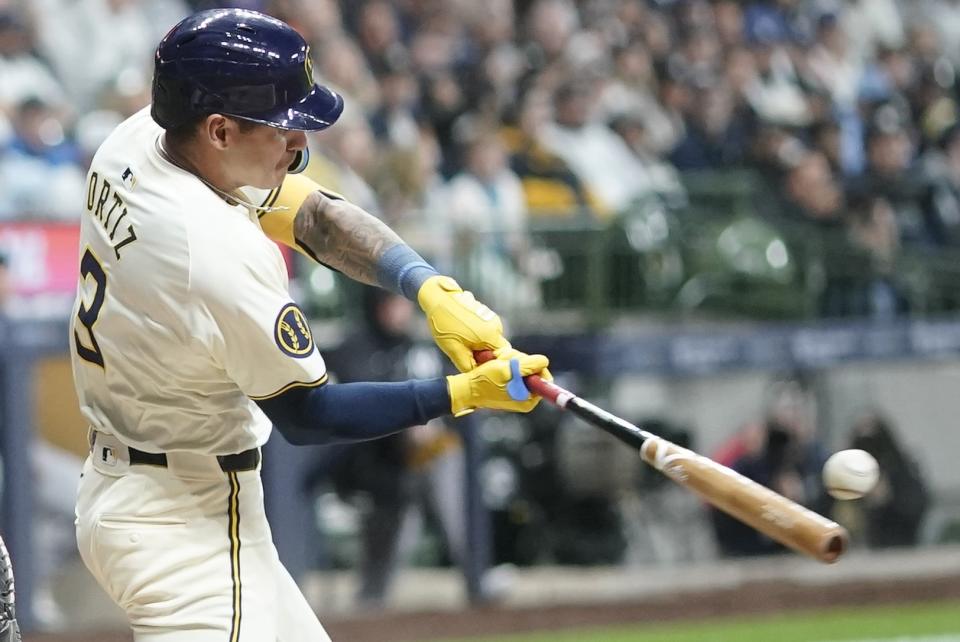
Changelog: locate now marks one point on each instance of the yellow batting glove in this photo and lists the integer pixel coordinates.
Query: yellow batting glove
(496, 384)
(458, 322)
(512, 353)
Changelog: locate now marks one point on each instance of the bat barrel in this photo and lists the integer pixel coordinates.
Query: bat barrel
(757, 506)
(835, 546)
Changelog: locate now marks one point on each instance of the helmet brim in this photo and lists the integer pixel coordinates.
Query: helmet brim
(316, 111)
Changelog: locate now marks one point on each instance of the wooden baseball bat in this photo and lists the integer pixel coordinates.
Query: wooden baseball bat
(759, 507)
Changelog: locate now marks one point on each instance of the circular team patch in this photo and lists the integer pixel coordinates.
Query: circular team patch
(292, 332)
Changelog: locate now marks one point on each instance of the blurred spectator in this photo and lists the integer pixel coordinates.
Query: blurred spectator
(550, 187)
(873, 25)
(789, 462)
(933, 101)
(728, 18)
(892, 174)
(317, 20)
(894, 510)
(873, 229)
(394, 121)
(550, 25)
(778, 467)
(378, 33)
(341, 64)
(716, 135)
(22, 74)
(812, 192)
(860, 280)
(91, 129)
(775, 92)
(781, 20)
(411, 190)
(664, 178)
(831, 63)
(91, 43)
(40, 167)
(492, 62)
(349, 150)
(898, 70)
(128, 94)
(435, 46)
(826, 137)
(489, 216)
(674, 96)
(923, 43)
(698, 56)
(632, 92)
(445, 107)
(944, 16)
(942, 200)
(598, 156)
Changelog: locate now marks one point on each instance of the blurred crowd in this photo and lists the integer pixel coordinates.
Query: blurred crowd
(468, 119)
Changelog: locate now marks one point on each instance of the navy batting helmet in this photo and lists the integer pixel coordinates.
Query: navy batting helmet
(239, 63)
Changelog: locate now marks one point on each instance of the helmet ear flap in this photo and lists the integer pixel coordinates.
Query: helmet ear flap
(300, 161)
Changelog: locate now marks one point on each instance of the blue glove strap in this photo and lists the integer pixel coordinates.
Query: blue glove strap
(516, 388)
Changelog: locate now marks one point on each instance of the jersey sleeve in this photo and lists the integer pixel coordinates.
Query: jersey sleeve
(258, 335)
(281, 205)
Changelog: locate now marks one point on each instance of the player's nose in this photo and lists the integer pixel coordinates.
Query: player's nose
(296, 140)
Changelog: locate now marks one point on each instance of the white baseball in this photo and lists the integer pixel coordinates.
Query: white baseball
(850, 474)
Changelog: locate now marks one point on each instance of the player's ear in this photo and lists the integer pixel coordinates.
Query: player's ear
(216, 129)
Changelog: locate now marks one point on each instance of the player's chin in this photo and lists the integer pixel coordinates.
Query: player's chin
(281, 169)
(270, 180)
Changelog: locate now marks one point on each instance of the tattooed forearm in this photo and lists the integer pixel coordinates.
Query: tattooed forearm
(343, 236)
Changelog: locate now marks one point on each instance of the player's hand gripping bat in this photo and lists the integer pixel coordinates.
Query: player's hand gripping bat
(9, 630)
(761, 508)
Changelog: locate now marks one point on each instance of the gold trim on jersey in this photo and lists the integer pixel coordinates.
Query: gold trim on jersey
(294, 384)
(233, 526)
(269, 201)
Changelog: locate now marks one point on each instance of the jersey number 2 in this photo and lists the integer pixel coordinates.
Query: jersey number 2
(87, 315)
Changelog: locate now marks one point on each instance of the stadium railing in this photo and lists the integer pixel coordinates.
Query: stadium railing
(723, 252)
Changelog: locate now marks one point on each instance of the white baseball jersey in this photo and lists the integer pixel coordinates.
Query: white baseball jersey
(183, 313)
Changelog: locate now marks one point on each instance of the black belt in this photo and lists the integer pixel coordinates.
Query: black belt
(247, 460)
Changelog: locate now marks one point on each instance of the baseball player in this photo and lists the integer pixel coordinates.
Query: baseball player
(187, 345)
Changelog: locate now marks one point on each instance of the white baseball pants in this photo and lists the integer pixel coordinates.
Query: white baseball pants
(186, 551)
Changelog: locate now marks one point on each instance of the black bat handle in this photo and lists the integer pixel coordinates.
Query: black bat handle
(594, 415)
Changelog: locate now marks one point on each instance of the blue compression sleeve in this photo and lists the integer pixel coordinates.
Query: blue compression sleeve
(403, 271)
(346, 412)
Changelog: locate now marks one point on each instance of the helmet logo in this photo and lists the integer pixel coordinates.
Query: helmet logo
(308, 66)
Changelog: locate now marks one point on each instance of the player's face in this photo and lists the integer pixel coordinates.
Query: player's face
(260, 155)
